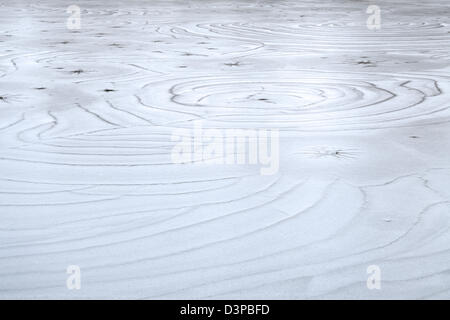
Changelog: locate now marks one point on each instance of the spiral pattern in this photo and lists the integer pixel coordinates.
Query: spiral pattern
(86, 124)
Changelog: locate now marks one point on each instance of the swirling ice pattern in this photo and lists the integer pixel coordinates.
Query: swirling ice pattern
(86, 178)
(304, 100)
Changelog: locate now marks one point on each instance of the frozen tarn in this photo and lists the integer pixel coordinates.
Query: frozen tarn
(93, 206)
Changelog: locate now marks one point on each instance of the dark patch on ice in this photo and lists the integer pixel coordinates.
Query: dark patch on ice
(79, 71)
(233, 64)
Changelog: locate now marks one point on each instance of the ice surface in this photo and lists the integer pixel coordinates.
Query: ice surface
(86, 177)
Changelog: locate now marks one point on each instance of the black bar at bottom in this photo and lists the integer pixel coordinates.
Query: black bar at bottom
(223, 309)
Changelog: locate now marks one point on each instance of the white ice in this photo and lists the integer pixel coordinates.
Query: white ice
(86, 178)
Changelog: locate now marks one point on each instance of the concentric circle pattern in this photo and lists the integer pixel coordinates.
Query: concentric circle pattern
(87, 123)
(310, 100)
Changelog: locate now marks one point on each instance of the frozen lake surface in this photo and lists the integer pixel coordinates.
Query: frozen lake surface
(86, 176)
